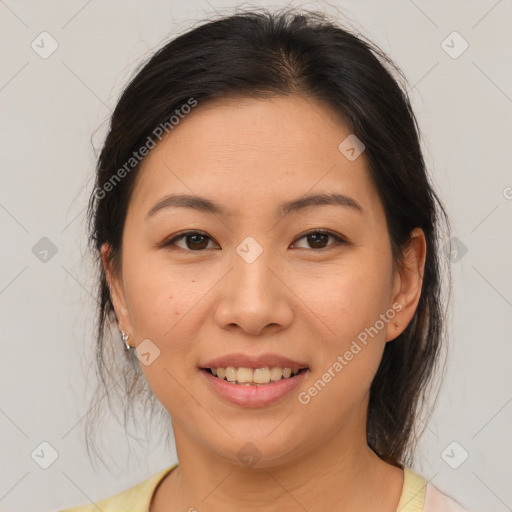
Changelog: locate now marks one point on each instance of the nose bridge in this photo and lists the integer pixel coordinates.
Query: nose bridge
(251, 273)
(251, 297)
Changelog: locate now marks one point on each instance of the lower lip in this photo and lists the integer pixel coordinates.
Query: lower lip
(254, 396)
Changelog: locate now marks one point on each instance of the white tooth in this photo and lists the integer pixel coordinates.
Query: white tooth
(244, 374)
(231, 373)
(262, 375)
(276, 373)
(248, 376)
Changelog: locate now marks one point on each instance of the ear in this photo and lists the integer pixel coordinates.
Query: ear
(116, 290)
(407, 284)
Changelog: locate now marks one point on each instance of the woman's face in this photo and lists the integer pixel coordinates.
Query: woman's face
(253, 289)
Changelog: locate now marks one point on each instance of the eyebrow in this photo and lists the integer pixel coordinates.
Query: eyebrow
(208, 206)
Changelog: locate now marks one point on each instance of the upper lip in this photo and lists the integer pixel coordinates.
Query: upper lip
(243, 360)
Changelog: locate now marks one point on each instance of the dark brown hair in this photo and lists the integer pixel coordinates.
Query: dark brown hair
(257, 53)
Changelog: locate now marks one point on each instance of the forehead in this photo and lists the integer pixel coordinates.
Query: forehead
(246, 152)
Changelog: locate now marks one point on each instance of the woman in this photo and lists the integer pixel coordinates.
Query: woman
(267, 241)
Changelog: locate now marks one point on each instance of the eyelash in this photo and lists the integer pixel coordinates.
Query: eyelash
(338, 240)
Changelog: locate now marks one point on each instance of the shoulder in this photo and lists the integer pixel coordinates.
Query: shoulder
(437, 501)
(418, 495)
(134, 499)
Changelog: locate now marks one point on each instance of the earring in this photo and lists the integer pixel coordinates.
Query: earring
(125, 337)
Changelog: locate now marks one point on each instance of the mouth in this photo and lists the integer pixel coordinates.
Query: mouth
(259, 386)
(256, 377)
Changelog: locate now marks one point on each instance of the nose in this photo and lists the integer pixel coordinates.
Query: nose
(254, 296)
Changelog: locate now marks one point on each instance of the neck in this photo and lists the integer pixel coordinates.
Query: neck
(342, 474)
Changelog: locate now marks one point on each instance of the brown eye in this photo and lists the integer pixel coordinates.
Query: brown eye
(194, 241)
(319, 239)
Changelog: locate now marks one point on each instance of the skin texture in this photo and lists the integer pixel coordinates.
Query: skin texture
(296, 299)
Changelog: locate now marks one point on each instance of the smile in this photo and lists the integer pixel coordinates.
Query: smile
(253, 377)
(250, 393)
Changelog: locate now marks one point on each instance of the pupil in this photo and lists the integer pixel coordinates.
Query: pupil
(316, 236)
(197, 240)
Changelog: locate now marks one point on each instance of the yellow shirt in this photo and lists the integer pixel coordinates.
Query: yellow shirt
(138, 497)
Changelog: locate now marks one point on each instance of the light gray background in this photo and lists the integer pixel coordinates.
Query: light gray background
(51, 107)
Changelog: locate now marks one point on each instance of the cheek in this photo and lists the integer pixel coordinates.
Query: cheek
(167, 307)
(348, 298)
(157, 296)
(349, 302)
(161, 308)
(153, 305)
(349, 353)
